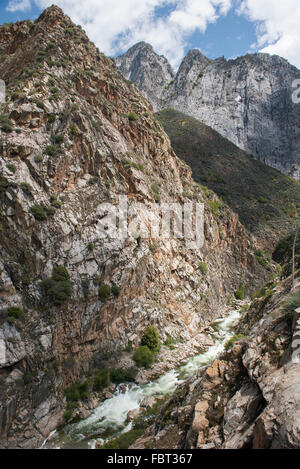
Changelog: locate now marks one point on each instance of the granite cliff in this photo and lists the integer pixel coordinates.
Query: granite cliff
(247, 100)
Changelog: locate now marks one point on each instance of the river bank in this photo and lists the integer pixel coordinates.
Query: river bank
(113, 416)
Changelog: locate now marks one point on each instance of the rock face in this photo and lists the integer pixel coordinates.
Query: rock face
(247, 399)
(247, 100)
(75, 134)
(149, 71)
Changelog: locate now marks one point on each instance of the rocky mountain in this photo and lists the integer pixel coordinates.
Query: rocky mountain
(266, 201)
(74, 135)
(247, 100)
(149, 71)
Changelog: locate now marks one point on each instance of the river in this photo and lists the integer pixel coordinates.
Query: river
(109, 419)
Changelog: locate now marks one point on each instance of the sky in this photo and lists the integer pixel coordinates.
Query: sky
(228, 28)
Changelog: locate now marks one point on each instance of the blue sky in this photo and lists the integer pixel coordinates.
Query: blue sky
(227, 28)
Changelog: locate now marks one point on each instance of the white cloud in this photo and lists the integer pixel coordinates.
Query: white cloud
(18, 5)
(116, 25)
(278, 30)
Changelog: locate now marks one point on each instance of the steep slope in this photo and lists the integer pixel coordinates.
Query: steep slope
(266, 201)
(75, 134)
(149, 71)
(247, 100)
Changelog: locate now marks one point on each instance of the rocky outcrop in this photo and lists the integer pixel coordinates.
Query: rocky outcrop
(75, 134)
(247, 100)
(247, 399)
(149, 71)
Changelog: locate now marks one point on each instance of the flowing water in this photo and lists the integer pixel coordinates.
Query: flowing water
(109, 419)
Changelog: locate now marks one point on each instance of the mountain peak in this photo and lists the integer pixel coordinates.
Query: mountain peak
(141, 45)
(53, 12)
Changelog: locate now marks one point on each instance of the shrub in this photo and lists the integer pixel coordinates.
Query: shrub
(54, 202)
(240, 293)
(115, 290)
(60, 273)
(26, 280)
(15, 312)
(4, 184)
(58, 139)
(151, 338)
(58, 288)
(74, 130)
(6, 124)
(57, 292)
(38, 212)
(68, 414)
(102, 379)
(51, 118)
(51, 150)
(26, 188)
(215, 206)
(38, 159)
(143, 357)
(39, 103)
(132, 116)
(50, 211)
(118, 376)
(203, 268)
(104, 292)
(233, 340)
(12, 168)
(90, 246)
(77, 392)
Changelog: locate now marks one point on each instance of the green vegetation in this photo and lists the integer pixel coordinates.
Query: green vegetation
(15, 313)
(155, 190)
(233, 340)
(39, 213)
(58, 288)
(26, 188)
(132, 116)
(132, 164)
(74, 130)
(55, 202)
(12, 168)
(215, 205)
(143, 357)
(102, 379)
(240, 293)
(51, 118)
(51, 150)
(58, 139)
(203, 268)
(115, 289)
(104, 292)
(264, 199)
(60, 273)
(151, 339)
(261, 259)
(6, 124)
(118, 376)
(77, 392)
